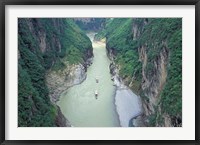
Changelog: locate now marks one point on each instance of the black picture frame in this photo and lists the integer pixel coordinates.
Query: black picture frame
(4, 3)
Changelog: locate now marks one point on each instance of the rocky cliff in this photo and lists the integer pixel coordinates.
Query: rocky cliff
(59, 81)
(128, 104)
(147, 54)
(53, 54)
(157, 64)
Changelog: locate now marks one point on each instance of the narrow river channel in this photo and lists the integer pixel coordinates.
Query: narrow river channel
(78, 103)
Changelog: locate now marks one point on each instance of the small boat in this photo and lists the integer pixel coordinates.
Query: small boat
(96, 94)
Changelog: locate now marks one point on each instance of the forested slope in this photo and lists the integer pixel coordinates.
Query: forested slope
(148, 54)
(45, 44)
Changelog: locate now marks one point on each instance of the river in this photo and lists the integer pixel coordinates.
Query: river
(78, 103)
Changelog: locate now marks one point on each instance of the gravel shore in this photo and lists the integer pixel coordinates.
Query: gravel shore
(128, 104)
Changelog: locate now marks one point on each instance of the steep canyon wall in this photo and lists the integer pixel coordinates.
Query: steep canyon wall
(53, 54)
(148, 56)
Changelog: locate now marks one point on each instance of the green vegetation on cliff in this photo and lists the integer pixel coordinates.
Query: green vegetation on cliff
(143, 45)
(120, 41)
(173, 105)
(42, 44)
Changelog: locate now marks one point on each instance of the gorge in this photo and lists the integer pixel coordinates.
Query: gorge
(79, 103)
(137, 62)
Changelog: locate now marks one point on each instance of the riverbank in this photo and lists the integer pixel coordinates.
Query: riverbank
(60, 81)
(124, 105)
(79, 103)
(128, 104)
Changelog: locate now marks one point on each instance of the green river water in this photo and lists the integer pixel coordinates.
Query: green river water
(78, 103)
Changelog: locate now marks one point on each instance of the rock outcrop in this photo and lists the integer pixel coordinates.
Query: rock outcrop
(43, 43)
(152, 85)
(147, 56)
(61, 80)
(128, 104)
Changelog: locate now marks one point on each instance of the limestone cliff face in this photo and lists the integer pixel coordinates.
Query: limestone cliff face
(42, 36)
(152, 84)
(153, 80)
(156, 51)
(47, 67)
(61, 80)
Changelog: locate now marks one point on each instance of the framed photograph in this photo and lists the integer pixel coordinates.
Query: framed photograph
(103, 72)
